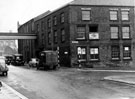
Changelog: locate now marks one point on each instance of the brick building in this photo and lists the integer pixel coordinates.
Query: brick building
(97, 32)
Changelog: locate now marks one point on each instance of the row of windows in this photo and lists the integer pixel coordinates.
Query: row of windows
(93, 32)
(94, 53)
(54, 22)
(86, 14)
(54, 38)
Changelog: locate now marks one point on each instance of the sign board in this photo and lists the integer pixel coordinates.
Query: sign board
(74, 41)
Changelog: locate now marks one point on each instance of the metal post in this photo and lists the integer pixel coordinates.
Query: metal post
(58, 56)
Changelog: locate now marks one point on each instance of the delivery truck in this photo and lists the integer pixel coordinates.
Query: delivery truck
(48, 60)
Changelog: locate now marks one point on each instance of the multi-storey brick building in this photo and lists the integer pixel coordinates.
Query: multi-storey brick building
(97, 32)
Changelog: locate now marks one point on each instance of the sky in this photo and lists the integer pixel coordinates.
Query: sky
(13, 11)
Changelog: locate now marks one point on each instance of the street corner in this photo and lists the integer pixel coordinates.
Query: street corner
(6, 92)
(128, 79)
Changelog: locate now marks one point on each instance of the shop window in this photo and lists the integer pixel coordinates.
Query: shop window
(94, 54)
(81, 53)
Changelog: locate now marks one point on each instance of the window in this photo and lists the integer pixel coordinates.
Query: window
(81, 32)
(42, 25)
(113, 15)
(94, 53)
(55, 37)
(126, 32)
(127, 52)
(125, 15)
(37, 27)
(81, 52)
(49, 38)
(114, 32)
(93, 35)
(115, 52)
(86, 14)
(62, 18)
(55, 20)
(62, 35)
(49, 23)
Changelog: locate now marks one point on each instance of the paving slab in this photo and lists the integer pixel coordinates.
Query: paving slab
(6, 92)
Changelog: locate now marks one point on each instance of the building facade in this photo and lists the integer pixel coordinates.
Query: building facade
(97, 33)
(27, 47)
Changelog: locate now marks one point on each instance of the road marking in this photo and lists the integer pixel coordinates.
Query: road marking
(14, 91)
(131, 71)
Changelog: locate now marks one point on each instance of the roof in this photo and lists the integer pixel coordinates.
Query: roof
(104, 2)
(42, 15)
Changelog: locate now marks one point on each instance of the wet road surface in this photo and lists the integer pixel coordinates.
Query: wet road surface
(67, 84)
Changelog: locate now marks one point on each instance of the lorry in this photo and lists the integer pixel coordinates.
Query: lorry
(48, 60)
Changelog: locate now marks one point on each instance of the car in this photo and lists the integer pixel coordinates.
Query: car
(33, 62)
(18, 60)
(3, 67)
(9, 59)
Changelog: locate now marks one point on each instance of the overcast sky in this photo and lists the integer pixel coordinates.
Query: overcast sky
(12, 11)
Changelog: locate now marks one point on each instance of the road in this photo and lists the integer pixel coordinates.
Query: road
(67, 83)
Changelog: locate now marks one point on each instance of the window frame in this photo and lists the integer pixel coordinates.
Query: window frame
(115, 53)
(94, 33)
(62, 17)
(125, 56)
(49, 23)
(55, 36)
(111, 17)
(81, 56)
(129, 37)
(84, 16)
(116, 33)
(78, 32)
(49, 38)
(63, 35)
(94, 54)
(55, 20)
(125, 14)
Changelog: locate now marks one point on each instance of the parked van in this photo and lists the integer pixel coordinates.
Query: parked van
(48, 60)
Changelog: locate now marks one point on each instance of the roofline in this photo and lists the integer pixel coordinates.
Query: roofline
(101, 5)
(69, 4)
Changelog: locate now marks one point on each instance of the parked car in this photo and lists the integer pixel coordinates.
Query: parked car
(3, 67)
(9, 59)
(18, 60)
(33, 62)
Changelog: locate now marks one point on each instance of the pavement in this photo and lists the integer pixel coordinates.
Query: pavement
(6, 92)
(128, 79)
